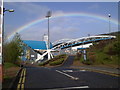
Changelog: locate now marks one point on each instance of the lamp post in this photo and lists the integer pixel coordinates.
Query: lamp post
(109, 15)
(48, 42)
(4, 10)
(9, 10)
(48, 16)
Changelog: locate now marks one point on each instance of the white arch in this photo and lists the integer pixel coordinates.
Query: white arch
(68, 41)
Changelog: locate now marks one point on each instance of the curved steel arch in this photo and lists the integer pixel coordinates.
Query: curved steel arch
(65, 42)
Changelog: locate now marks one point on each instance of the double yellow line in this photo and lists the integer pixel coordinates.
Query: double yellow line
(21, 82)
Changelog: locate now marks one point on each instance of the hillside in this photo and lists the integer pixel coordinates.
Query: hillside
(105, 53)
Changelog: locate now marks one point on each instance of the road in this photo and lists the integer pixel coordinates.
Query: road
(64, 77)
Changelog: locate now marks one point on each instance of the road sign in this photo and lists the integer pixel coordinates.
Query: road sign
(85, 57)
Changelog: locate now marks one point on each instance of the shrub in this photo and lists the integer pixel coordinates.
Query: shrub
(12, 50)
(87, 62)
(92, 58)
(57, 62)
(8, 65)
(58, 57)
(112, 48)
(78, 54)
(117, 47)
(43, 63)
(77, 58)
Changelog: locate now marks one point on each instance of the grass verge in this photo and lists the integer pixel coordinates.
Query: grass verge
(105, 54)
(57, 60)
(9, 73)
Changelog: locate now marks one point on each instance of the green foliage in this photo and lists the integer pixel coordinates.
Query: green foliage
(102, 58)
(87, 62)
(92, 58)
(78, 56)
(112, 48)
(57, 62)
(117, 47)
(43, 63)
(12, 50)
(58, 57)
(105, 52)
(8, 65)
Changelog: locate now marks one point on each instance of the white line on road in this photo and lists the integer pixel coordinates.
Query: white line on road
(83, 70)
(74, 78)
(67, 88)
(67, 70)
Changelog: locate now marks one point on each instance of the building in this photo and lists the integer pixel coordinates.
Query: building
(34, 49)
(45, 37)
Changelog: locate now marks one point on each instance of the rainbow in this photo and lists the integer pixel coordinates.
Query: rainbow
(39, 20)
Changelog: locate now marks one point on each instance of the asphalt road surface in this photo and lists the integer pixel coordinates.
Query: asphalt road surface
(65, 78)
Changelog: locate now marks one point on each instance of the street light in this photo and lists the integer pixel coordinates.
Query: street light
(9, 10)
(48, 42)
(4, 10)
(48, 16)
(109, 15)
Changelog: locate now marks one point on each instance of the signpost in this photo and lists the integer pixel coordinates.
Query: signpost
(84, 55)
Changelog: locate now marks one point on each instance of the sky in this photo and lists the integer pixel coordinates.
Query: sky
(68, 20)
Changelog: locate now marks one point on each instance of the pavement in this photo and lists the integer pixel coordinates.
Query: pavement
(105, 70)
(68, 62)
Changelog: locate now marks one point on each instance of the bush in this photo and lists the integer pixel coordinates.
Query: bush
(117, 47)
(57, 62)
(112, 48)
(8, 65)
(12, 50)
(87, 62)
(79, 54)
(92, 58)
(77, 58)
(43, 63)
(58, 57)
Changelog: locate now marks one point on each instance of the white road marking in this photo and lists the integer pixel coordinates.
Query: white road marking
(67, 88)
(74, 78)
(67, 70)
(83, 70)
(73, 71)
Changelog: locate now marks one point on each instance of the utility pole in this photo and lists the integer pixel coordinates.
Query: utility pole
(48, 42)
(109, 15)
(48, 16)
(2, 11)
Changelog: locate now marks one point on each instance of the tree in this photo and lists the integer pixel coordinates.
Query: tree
(13, 49)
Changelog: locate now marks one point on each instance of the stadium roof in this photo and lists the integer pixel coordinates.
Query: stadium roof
(36, 44)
